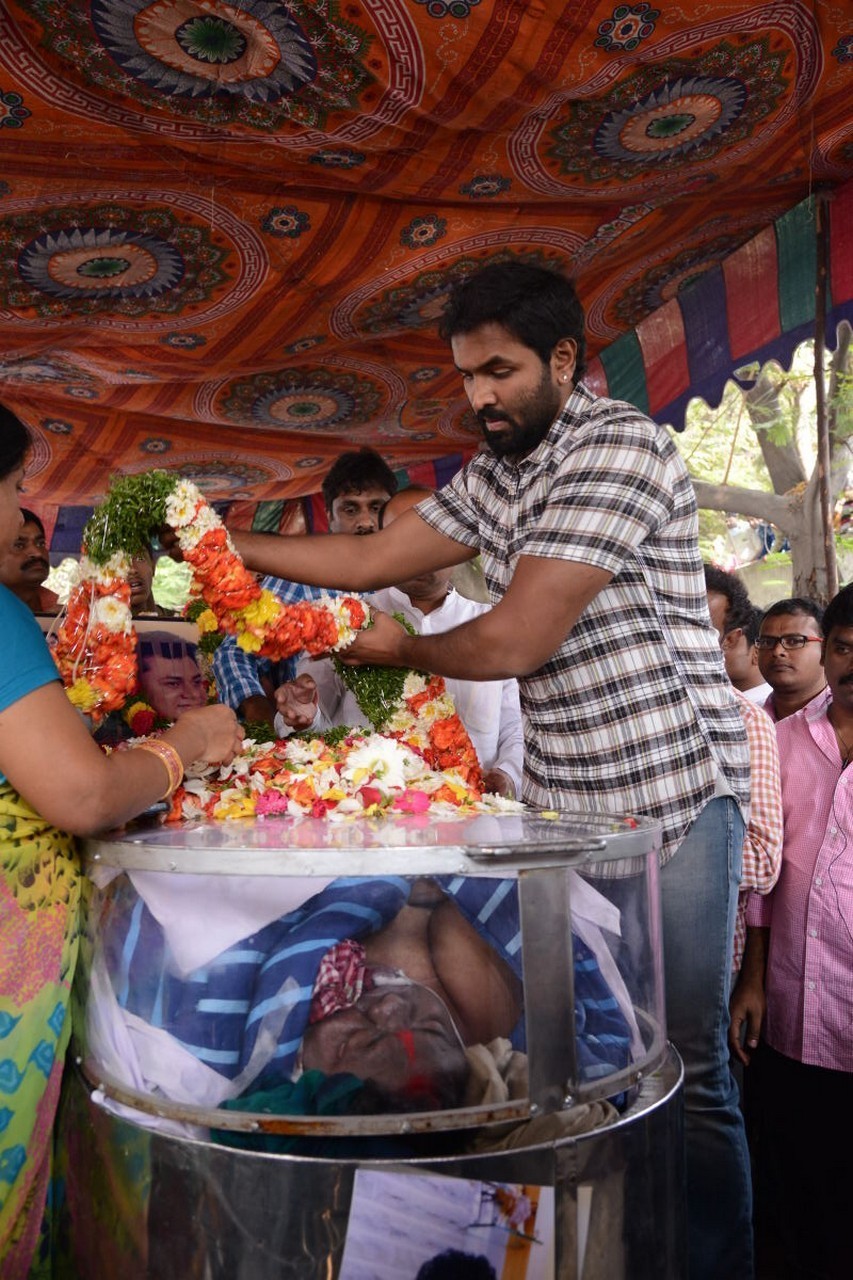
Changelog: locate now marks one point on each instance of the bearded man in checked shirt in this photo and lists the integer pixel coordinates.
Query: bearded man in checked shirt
(585, 520)
(793, 1003)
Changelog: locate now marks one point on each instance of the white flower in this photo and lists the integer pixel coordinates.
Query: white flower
(118, 566)
(112, 614)
(189, 535)
(191, 810)
(413, 684)
(336, 607)
(381, 762)
(181, 504)
(197, 787)
(300, 752)
(401, 721)
(438, 709)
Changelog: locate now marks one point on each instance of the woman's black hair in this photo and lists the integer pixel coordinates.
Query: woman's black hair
(14, 442)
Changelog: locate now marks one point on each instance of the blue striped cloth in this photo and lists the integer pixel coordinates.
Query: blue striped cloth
(254, 999)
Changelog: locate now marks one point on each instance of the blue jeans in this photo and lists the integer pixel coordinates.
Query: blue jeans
(699, 898)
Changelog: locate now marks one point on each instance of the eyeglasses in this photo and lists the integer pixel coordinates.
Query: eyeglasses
(767, 643)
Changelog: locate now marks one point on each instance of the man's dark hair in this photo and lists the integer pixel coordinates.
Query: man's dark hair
(796, 604)
(355, 471)
(14, 442)
(839, 611)
(453, 1264)
(752, 629)
(30, 517)
(537, 306)
(740, 611)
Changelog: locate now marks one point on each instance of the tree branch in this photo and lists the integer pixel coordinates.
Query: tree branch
(774, 507)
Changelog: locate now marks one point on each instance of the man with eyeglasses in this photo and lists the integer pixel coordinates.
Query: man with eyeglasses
(793, 1003)
(789, 655)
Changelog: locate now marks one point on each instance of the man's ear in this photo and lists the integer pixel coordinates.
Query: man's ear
(731, 638)
(563, 359)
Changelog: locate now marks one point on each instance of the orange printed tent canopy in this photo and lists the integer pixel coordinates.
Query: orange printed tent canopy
(226, 231)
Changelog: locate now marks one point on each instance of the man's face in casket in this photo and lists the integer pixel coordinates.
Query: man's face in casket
(400, 1037)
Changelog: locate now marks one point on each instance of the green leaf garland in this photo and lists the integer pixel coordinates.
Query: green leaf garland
(377, 690)
(133, 510)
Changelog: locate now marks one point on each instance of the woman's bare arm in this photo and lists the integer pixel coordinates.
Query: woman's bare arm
(49, 758)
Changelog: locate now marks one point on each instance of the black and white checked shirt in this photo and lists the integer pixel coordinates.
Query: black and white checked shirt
(634, 712)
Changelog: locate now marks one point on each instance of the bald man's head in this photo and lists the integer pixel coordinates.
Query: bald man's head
(401, 502)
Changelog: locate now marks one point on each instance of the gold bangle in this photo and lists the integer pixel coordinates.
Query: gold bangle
(170, 759)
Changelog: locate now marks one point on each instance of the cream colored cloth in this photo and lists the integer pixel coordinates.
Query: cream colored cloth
(498, 1073)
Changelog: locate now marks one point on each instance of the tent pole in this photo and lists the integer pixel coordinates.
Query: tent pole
(824, 461)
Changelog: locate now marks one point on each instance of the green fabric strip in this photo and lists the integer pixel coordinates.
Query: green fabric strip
(267, 517)
(626, 374)
(797, 256)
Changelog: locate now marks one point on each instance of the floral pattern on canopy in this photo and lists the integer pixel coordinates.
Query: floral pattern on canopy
(226, 231)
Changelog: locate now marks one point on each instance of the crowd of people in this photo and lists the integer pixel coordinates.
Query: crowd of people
(610, 671)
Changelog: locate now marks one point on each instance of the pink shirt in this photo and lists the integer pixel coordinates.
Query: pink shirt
(810, 912)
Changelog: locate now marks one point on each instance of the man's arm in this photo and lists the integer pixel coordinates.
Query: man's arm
(347, 562)
(238, 683)
(543, 602)
(748, 1003)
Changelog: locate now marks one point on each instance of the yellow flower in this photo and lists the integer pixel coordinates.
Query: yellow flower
(248, 642)
(261, 611)
(83, 696)
(207, 621)
(233, 804)
(334, 793)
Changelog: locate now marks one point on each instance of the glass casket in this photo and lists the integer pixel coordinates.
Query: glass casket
(289, 1001)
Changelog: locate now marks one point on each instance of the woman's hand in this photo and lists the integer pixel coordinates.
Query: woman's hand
(210, 734)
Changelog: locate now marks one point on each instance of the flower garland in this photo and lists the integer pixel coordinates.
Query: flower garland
(95, 646)
(357, 775)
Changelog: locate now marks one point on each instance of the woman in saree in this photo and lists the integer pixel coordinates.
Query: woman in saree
(55, 784)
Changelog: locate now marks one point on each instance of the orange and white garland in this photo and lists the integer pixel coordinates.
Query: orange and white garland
(96, 644)
(96, 654)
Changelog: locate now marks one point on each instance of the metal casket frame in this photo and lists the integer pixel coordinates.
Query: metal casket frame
(145, 1203)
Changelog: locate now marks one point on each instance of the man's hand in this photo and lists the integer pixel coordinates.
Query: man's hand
(257, 710)
(498, 783)
(748, 1002)
(297, 701)
(168, 540)
(382, 644)
(746, 1008)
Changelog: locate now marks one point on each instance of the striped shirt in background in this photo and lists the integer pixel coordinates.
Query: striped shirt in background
(633, 713)
(762, 845)
(810, 912)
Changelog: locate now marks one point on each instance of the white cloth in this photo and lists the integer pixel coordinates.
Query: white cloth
(489, 709)
(758, 693)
